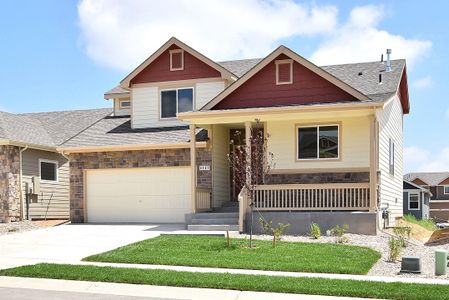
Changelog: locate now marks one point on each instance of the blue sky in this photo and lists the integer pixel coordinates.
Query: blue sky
(59, 55)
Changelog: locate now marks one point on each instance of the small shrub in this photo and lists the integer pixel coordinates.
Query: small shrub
(265, 225)
(279, 231)
(315, 231)
(395, 246)
(403, 234)
(339, 233)
(13, 229)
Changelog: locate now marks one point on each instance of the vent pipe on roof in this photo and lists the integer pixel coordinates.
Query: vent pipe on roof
(380, 78)
(382, 58)
(388, 69)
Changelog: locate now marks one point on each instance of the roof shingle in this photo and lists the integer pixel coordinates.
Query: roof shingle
(49, 129)
(117, 131)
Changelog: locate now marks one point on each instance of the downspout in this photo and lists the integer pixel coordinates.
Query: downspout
(20, 180)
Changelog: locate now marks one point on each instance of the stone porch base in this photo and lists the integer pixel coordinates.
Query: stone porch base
(359, 222)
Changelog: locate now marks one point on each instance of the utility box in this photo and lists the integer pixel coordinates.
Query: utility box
(440, 262)
(411, 264)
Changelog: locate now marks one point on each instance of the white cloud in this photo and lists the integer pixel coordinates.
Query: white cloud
(121, 33)
(423, 83)
(417, 159)
(360, 39)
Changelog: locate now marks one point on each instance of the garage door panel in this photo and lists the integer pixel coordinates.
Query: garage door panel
(156, 195)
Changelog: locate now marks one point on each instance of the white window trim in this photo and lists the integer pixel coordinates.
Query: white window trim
(41, 160)
(318, 142)
(419, 200)
(124, 107)
(171, 59)
(444, 189)
(284, 62)
(175, 89)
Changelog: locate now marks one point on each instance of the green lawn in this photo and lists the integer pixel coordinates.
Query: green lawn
(212, 251)
(315, 286)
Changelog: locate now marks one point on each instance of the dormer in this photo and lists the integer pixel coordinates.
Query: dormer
(174, 79)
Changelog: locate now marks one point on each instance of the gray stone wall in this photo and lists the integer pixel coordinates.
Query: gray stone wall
(128, 159)
(9, 183)
(311, 178)
(359, 222)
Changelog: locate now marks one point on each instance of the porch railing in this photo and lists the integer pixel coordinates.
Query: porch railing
(203, 199)
(306, 197)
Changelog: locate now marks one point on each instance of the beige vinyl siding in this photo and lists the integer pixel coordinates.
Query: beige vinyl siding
(390, 126)
(53, 198)
(354, 144)
(206, 91)
(220, 166)
(121, 112)
(145, 109)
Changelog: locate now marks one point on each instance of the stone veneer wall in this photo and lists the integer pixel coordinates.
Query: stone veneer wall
(128, 159)
(311, 178)
(9, 183)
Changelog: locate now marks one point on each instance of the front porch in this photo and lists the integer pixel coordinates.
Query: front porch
(326, 191)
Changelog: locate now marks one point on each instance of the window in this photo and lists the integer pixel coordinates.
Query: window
(48, 170)
(391, 156)
(318, 142)
(284, 71)
(446, 189)
(176, 60)
(176, 101)
(413, 201)
(124, 104)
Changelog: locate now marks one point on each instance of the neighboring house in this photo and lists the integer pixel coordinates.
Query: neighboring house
(335, 132)
(438, 184)
(30, 166)
(416, 200)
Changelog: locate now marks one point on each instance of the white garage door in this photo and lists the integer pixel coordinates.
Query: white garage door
(153, 195)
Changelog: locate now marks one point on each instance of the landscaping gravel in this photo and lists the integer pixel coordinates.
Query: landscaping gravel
(14, 227)
(380, 243)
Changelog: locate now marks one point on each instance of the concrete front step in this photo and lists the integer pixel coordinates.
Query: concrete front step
(216, 227)
(216, 215)
(226, 209)
(230, 221)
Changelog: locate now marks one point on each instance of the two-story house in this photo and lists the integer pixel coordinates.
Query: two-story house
(335, 133)
(438, 185)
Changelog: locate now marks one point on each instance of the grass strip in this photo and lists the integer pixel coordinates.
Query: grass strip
(260, 283)
(212, 251)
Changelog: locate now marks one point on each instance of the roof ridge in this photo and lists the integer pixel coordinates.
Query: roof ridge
(61, 111)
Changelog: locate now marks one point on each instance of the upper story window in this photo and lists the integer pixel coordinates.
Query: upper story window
(176, 60)
(318, 142)
(175, 101)
(284, 71)
(446, 189)
(48, 170)
(413, 201)
(391, 156)
(124, 104)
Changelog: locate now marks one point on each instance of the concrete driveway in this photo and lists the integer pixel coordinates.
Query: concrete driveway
(72, 242)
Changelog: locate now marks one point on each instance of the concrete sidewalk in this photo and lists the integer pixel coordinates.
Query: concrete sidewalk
(74, 290)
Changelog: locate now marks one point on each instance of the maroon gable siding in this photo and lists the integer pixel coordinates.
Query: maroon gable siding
(159, 69)
(261, 90)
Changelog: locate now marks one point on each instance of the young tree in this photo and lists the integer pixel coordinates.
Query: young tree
(247, 174)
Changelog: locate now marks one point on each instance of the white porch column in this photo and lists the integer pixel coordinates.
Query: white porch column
(248, 152)
(373, 165)
(193, 164)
